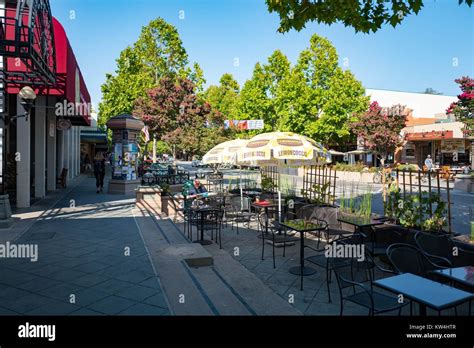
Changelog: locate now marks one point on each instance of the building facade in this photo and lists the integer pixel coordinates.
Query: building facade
(38, 149)
(428, 131)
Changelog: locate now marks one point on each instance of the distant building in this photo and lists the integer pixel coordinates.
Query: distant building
(429, 131)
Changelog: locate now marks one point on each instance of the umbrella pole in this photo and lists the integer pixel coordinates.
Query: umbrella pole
(279, 196)
(241, 191)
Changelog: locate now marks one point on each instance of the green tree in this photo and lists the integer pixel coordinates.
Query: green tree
(175, 114)
(380, 129)
(363, 15)
(318, 98)
(430, 90)
(157, 53)
(224, 97)
(258, 95)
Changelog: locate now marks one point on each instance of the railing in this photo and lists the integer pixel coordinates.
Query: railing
(421, 182)
(319, 184)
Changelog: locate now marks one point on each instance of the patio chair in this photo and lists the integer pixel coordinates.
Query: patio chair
(212, 221)
(276, 234)
(238, 211)
(322, 261)
(334, 230)
(377, 239)
(436, 247)
(406, 258)
(351, 282)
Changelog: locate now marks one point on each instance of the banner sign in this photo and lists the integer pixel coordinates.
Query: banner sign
(453, 145)
(244, 124)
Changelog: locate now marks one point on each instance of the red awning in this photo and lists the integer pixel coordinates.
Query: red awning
(69, 81)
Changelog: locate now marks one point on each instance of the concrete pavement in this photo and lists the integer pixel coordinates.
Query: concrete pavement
(92, 261)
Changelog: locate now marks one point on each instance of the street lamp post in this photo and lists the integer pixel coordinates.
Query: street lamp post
(27, 98)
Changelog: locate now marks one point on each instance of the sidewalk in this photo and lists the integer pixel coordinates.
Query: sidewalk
(91, 259)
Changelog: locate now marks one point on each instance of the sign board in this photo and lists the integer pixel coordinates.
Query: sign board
(453, 145)
(244, 124)
(63, 125)
(433, 135)
(360, 143)
(52, 129)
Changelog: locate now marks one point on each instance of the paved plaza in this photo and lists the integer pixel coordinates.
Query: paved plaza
(100, 254)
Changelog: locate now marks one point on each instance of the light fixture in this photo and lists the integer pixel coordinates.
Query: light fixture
(27, 99)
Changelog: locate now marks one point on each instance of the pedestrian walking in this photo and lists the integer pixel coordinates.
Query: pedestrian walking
(99, 171)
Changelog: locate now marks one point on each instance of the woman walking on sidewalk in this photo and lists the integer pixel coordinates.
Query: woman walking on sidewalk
(99, 171)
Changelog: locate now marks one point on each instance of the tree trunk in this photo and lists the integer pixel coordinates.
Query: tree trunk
(384, 186)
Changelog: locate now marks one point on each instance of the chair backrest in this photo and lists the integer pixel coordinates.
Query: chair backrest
(406, 258)
(434, 244)
(348, 273)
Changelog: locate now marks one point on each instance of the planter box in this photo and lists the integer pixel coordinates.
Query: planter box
(150, 197)
(168, 207)
(365, 177)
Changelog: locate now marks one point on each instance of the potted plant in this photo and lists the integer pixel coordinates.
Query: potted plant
(267, 184)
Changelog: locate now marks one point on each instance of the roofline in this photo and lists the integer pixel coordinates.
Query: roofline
(394, 90)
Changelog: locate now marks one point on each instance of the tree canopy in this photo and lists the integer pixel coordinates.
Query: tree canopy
(315, 97)
(173, 112)
(463, 108)
(380, 128)
(362, 15)
(157, 53)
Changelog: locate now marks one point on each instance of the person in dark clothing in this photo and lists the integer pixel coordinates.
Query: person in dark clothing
(197, 190)
(99, 171)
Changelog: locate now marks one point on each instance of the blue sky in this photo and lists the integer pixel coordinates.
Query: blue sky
(420, 53)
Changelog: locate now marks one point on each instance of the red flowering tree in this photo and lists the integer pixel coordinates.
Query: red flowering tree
(174, 113)
(463, 108)
(380, 128)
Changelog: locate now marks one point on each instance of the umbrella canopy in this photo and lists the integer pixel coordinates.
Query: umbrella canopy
(336, 153)
(282, 148)
(225, 152)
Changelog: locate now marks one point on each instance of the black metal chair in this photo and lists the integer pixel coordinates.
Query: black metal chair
(238, 211)
(377, 239)
(352, 285)
(437, 247)
(321, 260)
(276, 234)
(212, 221)
(406, 258)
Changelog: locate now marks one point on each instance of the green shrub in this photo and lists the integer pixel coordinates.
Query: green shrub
(407, 167)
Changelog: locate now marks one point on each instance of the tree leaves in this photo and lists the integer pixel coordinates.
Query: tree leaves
(362, 15)
(157, 53)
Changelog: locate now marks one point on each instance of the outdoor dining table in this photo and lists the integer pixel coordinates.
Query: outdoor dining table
(201, 212)
(462, 275)
(426, 292)
(265, 205)
(303, 226)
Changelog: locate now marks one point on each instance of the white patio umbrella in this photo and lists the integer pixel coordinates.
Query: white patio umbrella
(282, 149)
(226, 152)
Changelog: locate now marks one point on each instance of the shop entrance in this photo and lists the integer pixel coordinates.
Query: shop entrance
(424, 149)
